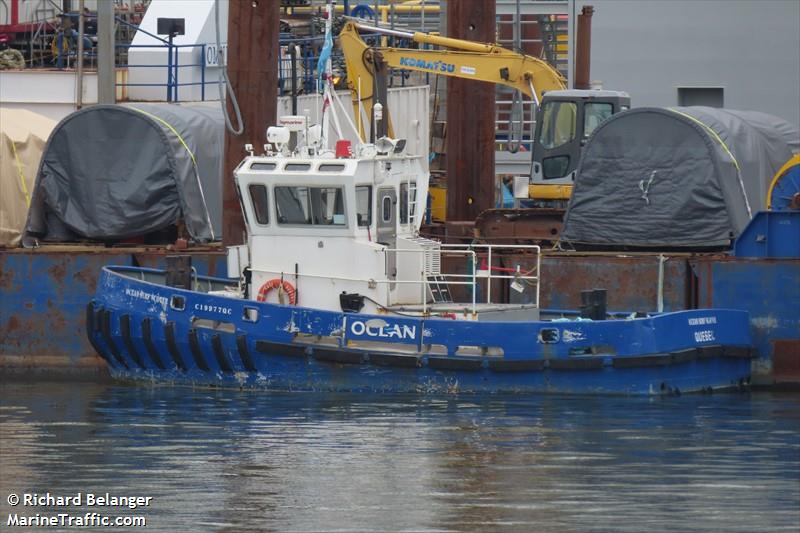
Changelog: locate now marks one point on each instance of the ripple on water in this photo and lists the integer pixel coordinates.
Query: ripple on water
(239, 461)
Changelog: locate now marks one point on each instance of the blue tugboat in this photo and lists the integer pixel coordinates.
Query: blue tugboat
(335, 290)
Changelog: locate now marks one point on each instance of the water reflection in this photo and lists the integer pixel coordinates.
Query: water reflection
(233, 461)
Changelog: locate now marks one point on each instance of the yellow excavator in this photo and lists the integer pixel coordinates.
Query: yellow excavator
(565, 118)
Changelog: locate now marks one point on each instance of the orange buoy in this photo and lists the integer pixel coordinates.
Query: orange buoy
(273, 283)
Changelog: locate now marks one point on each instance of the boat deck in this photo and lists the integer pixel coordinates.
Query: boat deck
(511, 312)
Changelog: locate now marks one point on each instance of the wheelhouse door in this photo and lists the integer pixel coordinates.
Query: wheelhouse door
(387, 227)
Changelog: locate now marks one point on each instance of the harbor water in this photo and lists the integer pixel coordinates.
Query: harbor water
(226, 460)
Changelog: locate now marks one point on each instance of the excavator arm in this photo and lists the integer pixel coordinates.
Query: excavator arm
(465, 59)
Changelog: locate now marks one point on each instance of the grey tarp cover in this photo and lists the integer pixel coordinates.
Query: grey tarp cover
(677, 177)
(116, 171)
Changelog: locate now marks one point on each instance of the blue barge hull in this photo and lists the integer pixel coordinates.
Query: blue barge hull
(44, 292)
(150, 332)
(43, 295)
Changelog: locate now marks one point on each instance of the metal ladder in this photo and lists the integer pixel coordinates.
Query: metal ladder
(39, 45)
(515, 122)
(554, 41)
(440, 291)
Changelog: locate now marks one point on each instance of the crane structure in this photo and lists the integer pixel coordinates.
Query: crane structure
(465, 59)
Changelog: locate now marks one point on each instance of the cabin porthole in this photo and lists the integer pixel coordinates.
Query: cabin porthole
(178, 303)
(549, 335)
(250, 314)
(386, 209)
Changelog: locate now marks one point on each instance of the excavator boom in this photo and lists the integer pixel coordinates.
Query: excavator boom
(465, 59)
(564, 120)
(501, 66)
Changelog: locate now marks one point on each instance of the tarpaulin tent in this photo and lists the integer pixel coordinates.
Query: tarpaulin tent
(115, 171)
(23, 135)
(684, 177)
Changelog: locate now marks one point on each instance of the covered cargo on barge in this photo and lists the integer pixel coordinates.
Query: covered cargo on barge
(23, 135)
(684, 177)
(110, 172)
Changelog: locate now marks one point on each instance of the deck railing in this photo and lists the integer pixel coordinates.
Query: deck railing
(426, 273)
(481, 268)
(484, 266)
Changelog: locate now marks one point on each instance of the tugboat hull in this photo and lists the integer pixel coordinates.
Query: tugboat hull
(150, 332)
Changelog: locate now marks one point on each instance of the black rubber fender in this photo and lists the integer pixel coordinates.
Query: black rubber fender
(172, 346)
(244, 353)
(219, 354)
(91, 328)
(125, 328)
(152, 351)
(197, 351)
(105, 329)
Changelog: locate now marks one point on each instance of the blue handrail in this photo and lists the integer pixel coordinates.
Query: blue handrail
(173, 66)
(307, 60)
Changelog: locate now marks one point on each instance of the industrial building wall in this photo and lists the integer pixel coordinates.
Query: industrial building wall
(748, 48)
(200, 27)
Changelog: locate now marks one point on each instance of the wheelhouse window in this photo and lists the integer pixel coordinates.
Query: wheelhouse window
(364, 205)
(327, 206)
(258, 198)
(262, 166)
(297, 167)
(331, 167)
(320, 206)
(408, 201)
(292, 206)
(558, 124)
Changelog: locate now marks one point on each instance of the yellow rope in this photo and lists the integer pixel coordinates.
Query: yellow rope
(21, 174)
(713, 134)
(173, 130)
(724, 147)
(194, 163)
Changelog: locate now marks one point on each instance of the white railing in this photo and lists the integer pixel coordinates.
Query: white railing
(480, 256)
(425, 283)
(517, 274)
(476, 252)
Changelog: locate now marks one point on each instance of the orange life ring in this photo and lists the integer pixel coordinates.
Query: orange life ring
(273, 283)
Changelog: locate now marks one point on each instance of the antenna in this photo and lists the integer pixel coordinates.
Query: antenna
(278, 136)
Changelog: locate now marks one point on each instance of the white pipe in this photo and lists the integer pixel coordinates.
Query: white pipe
(106, 72)
(660, 303)
(79, 66)
(385, 31)
(360, 110)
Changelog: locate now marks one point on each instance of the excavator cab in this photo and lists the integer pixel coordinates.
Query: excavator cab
(565, 120)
